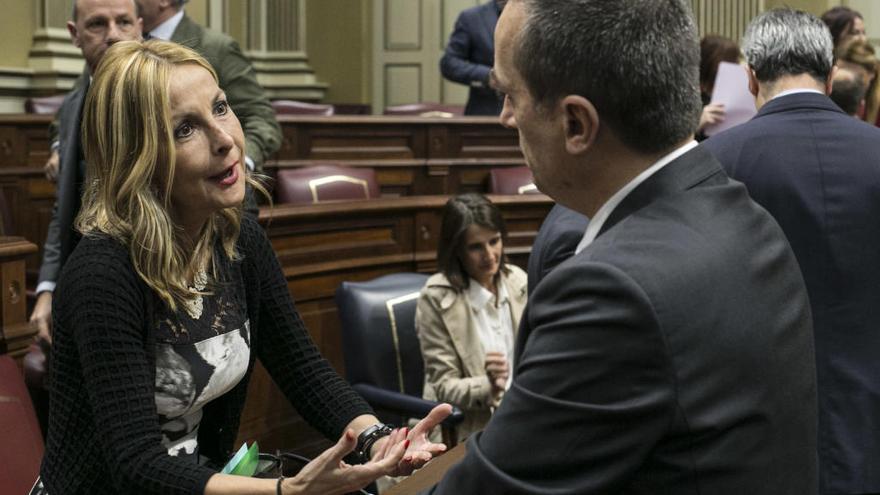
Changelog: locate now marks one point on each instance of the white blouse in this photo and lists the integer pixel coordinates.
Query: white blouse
(494, 322)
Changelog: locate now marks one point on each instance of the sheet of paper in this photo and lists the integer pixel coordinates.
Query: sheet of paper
(732, 89)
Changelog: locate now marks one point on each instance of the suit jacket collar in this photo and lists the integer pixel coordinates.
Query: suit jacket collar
(798, 101)
(187, 33)
(681, 174)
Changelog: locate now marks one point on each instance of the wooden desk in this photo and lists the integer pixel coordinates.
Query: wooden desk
(320, 246)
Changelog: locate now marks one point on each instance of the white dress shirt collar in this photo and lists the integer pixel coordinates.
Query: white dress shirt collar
(605, 211)
(796, 91)
(166, 29)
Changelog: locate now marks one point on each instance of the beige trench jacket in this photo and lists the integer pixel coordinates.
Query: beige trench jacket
(452, 350)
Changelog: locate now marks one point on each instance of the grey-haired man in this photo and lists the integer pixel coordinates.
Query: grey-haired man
(817, 171)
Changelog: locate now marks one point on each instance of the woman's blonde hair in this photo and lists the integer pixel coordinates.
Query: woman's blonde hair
(129, 149)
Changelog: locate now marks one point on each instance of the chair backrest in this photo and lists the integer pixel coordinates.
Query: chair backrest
(293, 107)
(44, 104)
(308, 185)
(22, 442)
(512, 180)
(425, 109)
(379, 338)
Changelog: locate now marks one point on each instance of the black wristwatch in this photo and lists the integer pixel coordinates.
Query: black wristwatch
(369, 437)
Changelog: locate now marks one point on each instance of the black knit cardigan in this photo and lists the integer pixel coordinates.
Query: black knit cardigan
(104, 434)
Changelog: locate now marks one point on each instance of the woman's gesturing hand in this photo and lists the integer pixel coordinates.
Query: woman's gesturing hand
(420, 450)
(329, 474)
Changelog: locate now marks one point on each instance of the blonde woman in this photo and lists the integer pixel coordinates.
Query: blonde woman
(468, 313)
(172, 295)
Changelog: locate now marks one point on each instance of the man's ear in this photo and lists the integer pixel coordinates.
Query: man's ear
(71, 28)
(580, 123)
(829, 82)
(753, 81)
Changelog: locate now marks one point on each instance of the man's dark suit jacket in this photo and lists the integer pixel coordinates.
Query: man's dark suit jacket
(61, 237)
(673, 355)
(470, 54)
(556, 241)
(817, 171)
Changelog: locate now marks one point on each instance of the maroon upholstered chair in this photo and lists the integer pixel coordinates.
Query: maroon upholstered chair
(43, 104)
(293, 107)
(22, 442)
(325, 183)
(426, 110)
(512, 180)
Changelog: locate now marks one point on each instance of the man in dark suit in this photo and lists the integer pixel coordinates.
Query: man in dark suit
(95, 25)
(673, 353)
(470, 54)
(556, 241)
(817, 171)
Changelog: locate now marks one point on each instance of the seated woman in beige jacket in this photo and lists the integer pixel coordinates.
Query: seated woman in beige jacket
(468, 314)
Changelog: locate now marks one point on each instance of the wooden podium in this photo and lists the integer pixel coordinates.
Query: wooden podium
(429, 475)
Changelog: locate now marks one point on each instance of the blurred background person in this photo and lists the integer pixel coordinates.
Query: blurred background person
(714, 49)
(470, 54)
(171, 296)
(848, 92)
(844, 23)
(468, 313)
(857, 55)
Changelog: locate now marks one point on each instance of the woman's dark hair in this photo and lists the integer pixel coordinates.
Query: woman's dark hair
(840, 20)
(461, 212)
(714, 49)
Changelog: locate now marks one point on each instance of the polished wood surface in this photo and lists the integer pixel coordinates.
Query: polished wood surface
(322, 245)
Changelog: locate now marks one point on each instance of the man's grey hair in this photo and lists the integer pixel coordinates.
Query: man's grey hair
(137, 9)
(787, 42)
(636, 61)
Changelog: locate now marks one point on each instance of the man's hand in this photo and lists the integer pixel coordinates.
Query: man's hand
(498, 371)
(41, 318)
(51, 166)
(420, 450)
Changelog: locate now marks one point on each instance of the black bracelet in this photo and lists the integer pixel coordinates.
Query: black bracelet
(367, 438)
(278, 485)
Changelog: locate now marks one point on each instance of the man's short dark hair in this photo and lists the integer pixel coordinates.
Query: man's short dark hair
(848, 93)
(637, 61)
(787, 42)
(461, 212)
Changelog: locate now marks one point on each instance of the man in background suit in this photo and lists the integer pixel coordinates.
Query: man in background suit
(673, 353)
(556, 241)
(94, 26)
(166, 19)
(469, 56)
(817, 171)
